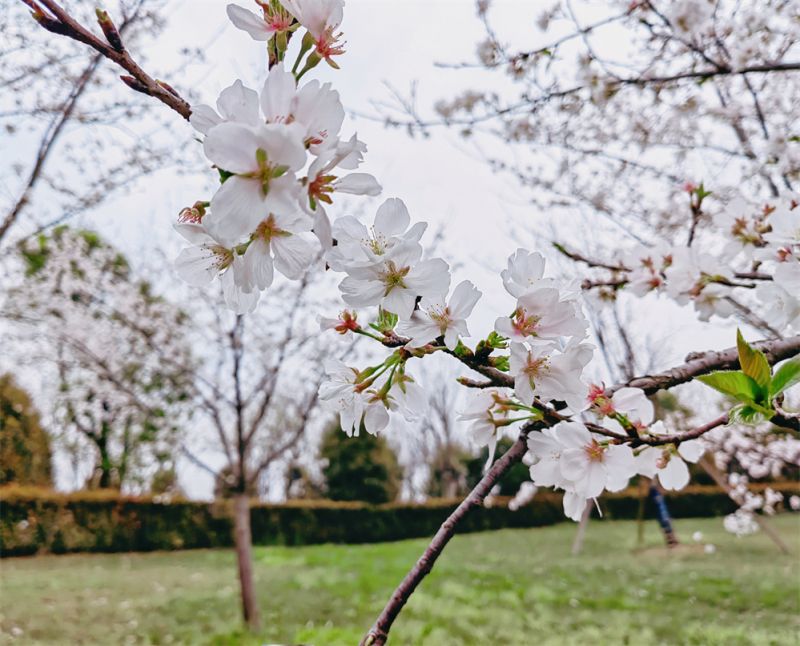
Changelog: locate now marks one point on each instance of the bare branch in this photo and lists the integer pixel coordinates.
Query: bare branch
(59, 21)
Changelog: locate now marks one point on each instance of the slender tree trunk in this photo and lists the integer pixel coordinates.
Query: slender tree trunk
(718, 477)
(244, 559)
(577, 544)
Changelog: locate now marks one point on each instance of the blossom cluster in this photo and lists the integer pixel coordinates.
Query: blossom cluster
(759, 253)
(384, 267)
(280, 158)
(584, 464)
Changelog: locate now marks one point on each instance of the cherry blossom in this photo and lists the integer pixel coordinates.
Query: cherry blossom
(784, 227)
(275, 20)
(279, 242)
(547, 373)
(261, 160)
(322, 19)
(541, 315)
(207, 259)
(590, 466)
(395, 283)
(236, 103)
(546, 448)
(358, 246)
(434, 318)
(483, 425)
(667, 463)
(524, 273)
(321, 181)
(780, 297)
(315, 106)
(343, 392)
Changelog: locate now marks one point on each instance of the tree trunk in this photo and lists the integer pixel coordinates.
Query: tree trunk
(244, 559)
(577, 544)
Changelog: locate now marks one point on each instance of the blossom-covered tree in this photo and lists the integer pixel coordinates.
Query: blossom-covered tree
(83, 315)
(282, 162)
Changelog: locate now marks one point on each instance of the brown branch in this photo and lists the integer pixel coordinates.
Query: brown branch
(775, 350)
(677, 438)
(700, 364)
(591, 262)
(379, 633)
(48, 141)
(764, 68)
(58, 21)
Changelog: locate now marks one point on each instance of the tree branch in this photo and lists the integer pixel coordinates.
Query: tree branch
(700, 364)
(58, 21)
(379, 633)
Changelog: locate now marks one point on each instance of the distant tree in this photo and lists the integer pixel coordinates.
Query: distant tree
(165, 482)
(359, 468)
(81, 311)
(25, 456)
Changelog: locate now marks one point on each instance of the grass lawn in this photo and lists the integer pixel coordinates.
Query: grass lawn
(504, 587)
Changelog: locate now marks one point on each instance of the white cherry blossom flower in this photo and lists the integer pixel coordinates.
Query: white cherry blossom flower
(590, 466)
(315, 106)
(546, 449)
(542, 371)
(711, 301)
(646, 264)
(321, 181)
(785, 225)
(261, 160)
(524, 273)
(395, 283)
(781, 297)
(207, 259)
(341, 393)
(574, 504)
(346, 322)
(691, 276)
(741, 223)
(667, 463)
(322, 19)
(635, 405)
(279, 242)
(434, 318)
(236, 103)
(478, 411)
(273, 20)
(407, 397)
(541, 315)
(356, 245)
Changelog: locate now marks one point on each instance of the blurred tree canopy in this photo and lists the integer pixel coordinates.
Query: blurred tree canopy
(25, 456)
(82, 312)
(359, 468)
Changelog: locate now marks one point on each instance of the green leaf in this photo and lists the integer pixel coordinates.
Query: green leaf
(785, 377)
(733, 383)
(750, 414)
(753, 362)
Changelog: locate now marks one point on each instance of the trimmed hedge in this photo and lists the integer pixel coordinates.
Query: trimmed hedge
(34, 521)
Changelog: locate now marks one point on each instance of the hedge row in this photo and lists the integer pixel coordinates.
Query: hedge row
(33, 521)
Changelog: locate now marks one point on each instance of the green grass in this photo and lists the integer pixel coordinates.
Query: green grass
(505, 587)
